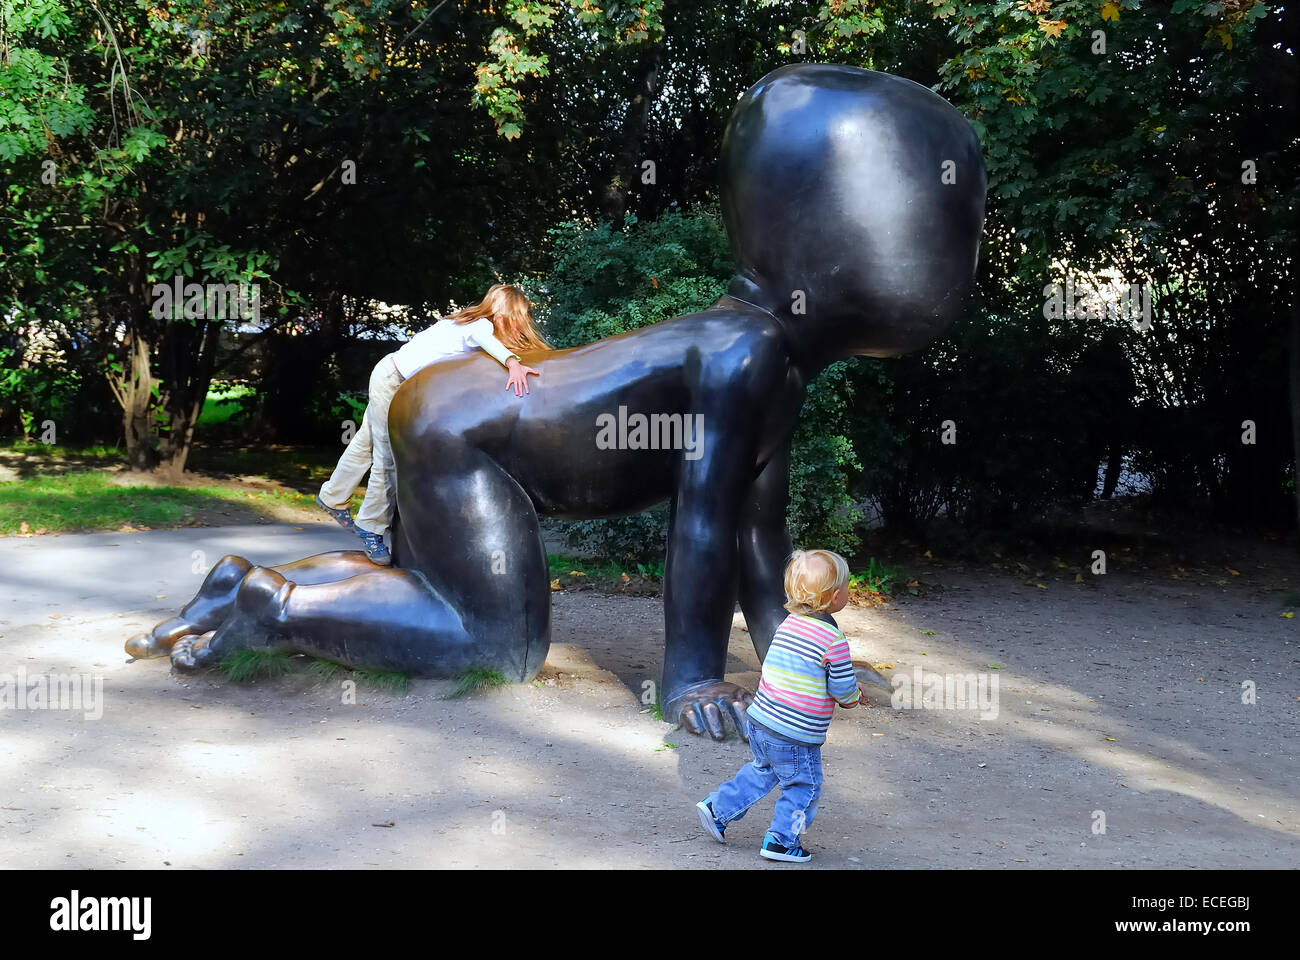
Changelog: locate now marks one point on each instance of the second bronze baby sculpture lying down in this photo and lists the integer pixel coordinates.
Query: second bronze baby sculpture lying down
(854, 202)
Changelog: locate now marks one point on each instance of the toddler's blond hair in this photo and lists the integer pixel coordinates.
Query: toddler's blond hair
(812, 578)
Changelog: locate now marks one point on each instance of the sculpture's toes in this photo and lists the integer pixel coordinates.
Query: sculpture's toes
(193, 653)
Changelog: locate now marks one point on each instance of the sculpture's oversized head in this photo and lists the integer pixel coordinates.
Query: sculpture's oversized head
(854, 201)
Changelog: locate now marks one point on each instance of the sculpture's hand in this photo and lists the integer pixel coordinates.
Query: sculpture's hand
(519, 375)
(709, 706)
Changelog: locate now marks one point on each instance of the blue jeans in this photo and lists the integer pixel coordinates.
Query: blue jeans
(796, 767)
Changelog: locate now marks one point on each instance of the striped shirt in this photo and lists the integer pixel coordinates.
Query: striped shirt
(806, 671)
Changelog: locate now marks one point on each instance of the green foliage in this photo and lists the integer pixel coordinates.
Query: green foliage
(392, 682)
(327, 671)
(606, 281)
(248, 666)
(475, 681)
(878, 578)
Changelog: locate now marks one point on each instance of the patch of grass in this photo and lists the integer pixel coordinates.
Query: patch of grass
(597, 572)
(327, 670)
(225, 402)
(87, 500)
(304, 467)
(387, 681)
(59, 452)
(476, 681)
(245, 666)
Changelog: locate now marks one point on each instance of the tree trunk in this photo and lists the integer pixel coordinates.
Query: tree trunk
(189, 357)
(627, 162)
(132, 385)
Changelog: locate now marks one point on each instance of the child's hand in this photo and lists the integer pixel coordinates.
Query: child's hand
(519, 375)
(862, 692)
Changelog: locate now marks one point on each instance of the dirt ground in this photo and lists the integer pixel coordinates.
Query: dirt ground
(1120, 702)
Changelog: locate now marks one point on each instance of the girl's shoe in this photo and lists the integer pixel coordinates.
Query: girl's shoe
(342, 517)
(773, 850)
(375, 549)
(709, 821)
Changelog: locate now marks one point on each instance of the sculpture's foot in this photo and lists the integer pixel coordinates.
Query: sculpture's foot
(251, 624)
(710, 706)
(190, 654)
(204, 613)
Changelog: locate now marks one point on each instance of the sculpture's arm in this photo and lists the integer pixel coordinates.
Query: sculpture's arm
(701, 570)
(765, 546)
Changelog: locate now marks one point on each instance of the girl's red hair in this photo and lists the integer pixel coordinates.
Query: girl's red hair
(516, 329)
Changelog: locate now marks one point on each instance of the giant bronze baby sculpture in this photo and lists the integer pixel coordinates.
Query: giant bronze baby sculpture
(854, 202)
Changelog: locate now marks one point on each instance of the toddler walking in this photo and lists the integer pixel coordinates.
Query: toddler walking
(806, 672)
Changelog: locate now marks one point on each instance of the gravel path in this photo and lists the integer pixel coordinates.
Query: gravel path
(1119, 703)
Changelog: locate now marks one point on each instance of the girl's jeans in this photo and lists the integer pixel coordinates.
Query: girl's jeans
(369, 450)
(796, 767)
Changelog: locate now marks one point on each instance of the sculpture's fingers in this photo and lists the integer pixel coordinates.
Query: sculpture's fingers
(693, 719)
(713, 719)
(738, 714)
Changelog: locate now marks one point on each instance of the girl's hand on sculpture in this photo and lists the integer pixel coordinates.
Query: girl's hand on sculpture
(519, 375)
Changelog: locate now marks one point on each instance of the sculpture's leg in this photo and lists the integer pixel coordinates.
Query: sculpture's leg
(765, 546)
(384, 618)
(216, 597)
(471, 529)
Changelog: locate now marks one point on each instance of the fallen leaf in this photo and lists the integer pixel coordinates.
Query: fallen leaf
(555, 584)
(1112, 740)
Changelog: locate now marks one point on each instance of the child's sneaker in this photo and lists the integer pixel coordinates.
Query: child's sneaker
(710, 822)
(342, 517)
(375, 549)
(773, 850)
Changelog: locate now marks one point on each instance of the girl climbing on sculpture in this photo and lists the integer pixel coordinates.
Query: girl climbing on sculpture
(498, 325)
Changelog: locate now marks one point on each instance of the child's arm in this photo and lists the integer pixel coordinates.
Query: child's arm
(841, 681)
(482, 332)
